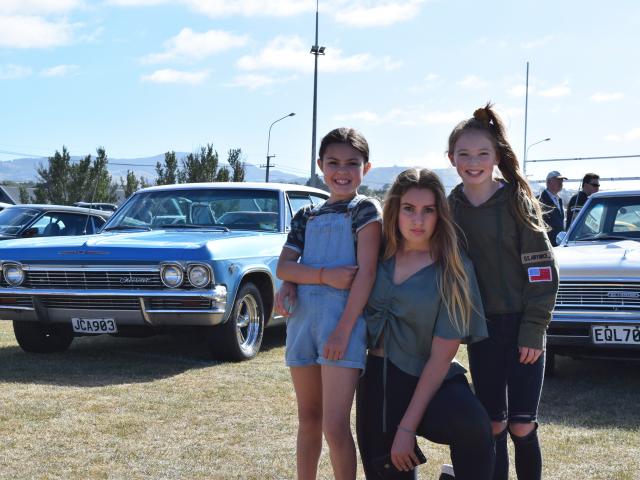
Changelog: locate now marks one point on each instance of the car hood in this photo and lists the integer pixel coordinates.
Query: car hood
(601, 260)
(139, 247)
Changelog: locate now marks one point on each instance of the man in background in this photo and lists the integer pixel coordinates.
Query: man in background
(553, 213)
(590, 184)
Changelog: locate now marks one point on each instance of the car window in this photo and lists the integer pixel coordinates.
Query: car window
(627, 218)
(316, 199)
(55, 224)
(13, 220)
(299, 200)
(236, 209)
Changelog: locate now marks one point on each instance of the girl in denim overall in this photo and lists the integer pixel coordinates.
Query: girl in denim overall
(331, 247)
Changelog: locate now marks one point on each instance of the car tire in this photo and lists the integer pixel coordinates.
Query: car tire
(36, 337)
(550, 364)
(240, 337)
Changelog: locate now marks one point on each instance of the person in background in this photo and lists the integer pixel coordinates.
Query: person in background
(553, 214)
(590, 184)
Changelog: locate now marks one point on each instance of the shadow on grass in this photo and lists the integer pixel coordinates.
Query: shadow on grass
(105, 360)
(592, 393)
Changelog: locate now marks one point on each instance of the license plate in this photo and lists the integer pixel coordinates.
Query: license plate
(94, 325)
(615, 334)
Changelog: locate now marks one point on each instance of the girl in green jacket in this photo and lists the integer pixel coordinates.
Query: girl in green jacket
(505, 237)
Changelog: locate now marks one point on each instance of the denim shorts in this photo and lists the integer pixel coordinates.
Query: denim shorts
(508, 389)
(316, 313)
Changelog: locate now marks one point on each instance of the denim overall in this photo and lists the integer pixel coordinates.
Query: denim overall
(328, 242)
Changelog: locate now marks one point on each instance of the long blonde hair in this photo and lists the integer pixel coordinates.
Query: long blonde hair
(524, 203)
(453, 283)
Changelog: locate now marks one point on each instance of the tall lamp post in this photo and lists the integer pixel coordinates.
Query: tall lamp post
(315, 51)
(526, 154)
(269, 157)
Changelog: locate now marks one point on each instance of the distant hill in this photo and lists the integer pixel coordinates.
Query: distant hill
(24, 169)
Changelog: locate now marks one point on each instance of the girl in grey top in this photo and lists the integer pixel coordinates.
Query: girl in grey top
(424, 304)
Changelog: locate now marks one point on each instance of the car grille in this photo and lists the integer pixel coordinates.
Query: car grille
(16, 302)
(598, 296)
(91, 303)
(88, 280)
(179, 304)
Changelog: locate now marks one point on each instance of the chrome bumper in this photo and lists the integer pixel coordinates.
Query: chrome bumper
(572, 328)
(30, 305)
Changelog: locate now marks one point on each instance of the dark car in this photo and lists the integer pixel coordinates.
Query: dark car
(107, 207)
(27, 221)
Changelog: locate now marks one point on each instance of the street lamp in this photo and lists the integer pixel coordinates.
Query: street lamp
(315, 51)
(269, 157)
(526, 154)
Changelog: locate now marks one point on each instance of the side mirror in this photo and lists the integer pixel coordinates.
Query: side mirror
(30, 232)
(560, 237)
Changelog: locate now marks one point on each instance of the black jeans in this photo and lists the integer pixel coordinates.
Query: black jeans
(453, 417)
(508, 389)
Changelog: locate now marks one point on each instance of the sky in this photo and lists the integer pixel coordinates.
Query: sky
(141, 77)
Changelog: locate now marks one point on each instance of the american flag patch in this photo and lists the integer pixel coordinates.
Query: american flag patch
(539, 274)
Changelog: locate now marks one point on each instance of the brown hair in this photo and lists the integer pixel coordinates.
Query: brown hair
(588, 177)
(347, 136)
(524, 203)
(453, 283)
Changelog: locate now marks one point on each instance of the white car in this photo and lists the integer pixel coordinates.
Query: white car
(597, 311)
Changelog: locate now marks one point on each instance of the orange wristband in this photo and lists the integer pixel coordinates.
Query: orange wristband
(320, 276)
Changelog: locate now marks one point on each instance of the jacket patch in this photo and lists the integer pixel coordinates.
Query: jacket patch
(539, 274)
(536, 257)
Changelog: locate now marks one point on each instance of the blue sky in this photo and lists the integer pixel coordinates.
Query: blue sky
(141, 77)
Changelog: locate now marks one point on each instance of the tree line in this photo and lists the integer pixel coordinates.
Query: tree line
(63, 182)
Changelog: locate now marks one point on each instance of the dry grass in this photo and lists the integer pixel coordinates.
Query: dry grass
(158, 408)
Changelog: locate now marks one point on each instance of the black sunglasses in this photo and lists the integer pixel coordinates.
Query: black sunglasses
(597, 185)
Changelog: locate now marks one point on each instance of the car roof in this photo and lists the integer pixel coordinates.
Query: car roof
(236, 185)
(61, 208)
(616, 193)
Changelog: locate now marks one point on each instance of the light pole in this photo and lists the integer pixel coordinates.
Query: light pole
(269, 157)
(526, 154)
(315, 50)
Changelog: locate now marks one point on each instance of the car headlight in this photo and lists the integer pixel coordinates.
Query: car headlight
(171, 275)
(199, 276)
(13, 274)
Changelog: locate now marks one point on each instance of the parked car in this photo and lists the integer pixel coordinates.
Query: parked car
(190, 255)
(27, 221)
(108, 207)
(597, 312)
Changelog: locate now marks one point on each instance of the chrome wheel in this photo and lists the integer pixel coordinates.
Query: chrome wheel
(248, 322)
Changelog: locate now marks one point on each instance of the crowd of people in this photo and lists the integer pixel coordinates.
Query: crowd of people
(379, 301)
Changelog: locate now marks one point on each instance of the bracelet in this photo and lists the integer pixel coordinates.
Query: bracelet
(321, 270)
(404, 429)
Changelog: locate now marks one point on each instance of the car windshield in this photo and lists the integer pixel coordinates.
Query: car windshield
(13, 220)
(613, 218)
(235, 209)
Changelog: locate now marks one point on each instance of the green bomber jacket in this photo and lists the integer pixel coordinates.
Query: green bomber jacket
(515, 265)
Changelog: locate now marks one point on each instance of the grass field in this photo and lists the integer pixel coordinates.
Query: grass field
(158, 408)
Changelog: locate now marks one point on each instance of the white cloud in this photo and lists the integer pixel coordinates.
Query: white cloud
(292, 53)
(472, 81)
(136, 3)
(630, 136)
(606, 97)
(59, 71)
(518, 90)
(196, 46)
(561, 90)
(20, 31)
(14, 72)
(253, 81)
(176, 76)
(38, 7)
(408, 117)
(249, 8)
(538, 42)
(381, 15)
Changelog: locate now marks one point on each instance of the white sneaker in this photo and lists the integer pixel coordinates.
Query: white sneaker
(446, 473)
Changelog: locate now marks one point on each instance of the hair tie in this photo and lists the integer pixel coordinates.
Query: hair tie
(482, 115)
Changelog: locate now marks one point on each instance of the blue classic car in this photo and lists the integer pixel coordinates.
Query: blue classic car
(189, 255)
